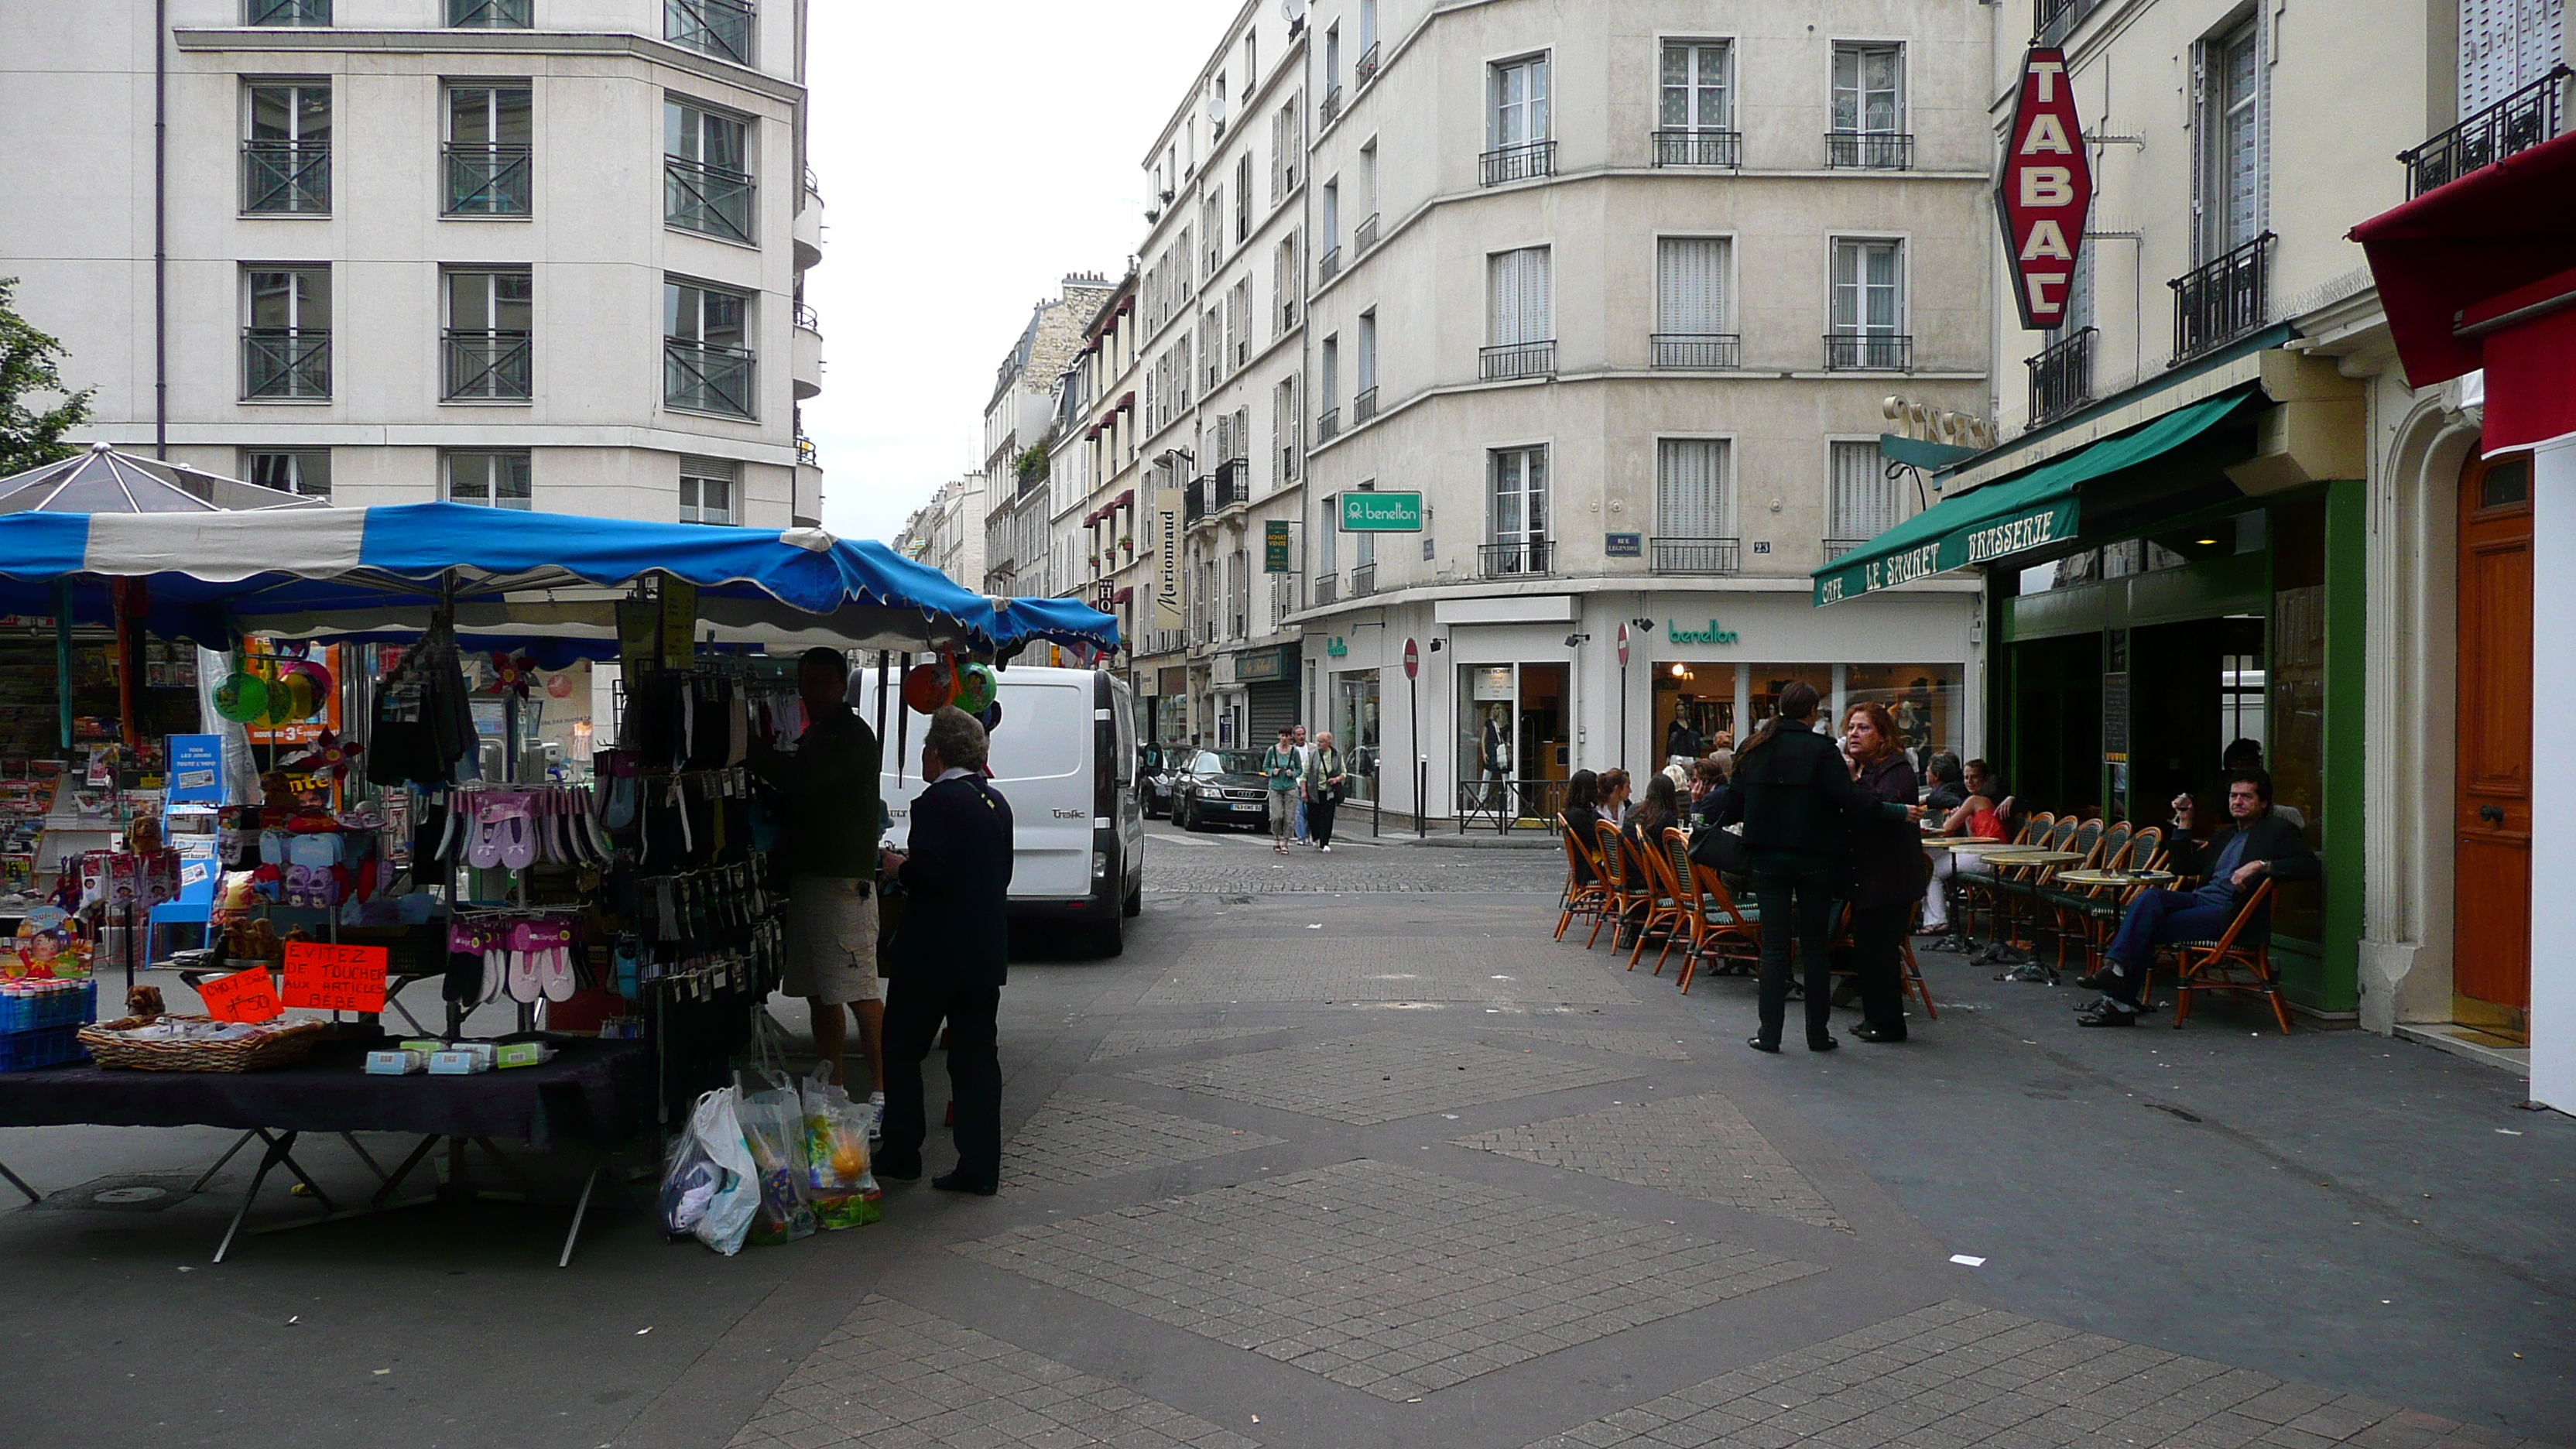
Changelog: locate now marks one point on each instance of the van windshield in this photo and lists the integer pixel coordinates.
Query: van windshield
(1228, 762)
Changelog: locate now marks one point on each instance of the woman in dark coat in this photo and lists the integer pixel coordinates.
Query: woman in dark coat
(1885, 868)
(1582, 802)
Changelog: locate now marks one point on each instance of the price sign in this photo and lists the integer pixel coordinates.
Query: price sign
(242, 996)
(335, 978)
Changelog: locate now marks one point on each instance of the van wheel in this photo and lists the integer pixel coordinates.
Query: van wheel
(1109, 940)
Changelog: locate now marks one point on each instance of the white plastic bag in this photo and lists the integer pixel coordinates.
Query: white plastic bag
(711, 1188)
(838, 1181)
(773, 1123)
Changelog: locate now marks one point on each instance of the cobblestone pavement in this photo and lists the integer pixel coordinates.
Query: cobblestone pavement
(1146, 1043)
(1700, 1146)
(1075, 1139)
(1377, 1078)
(1392, 1281)
(1956, 1374)
(1323, 970)
(1231, 864)
(1662, 1046)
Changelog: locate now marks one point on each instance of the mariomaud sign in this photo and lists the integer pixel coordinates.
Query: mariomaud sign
(2035, 526)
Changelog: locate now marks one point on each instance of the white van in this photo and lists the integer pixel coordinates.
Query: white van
(1064, 755)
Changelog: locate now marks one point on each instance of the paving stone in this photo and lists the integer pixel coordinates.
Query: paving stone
(1140, 1043)
(1502, 973)
(1964, 1355)
(1697, 1146)
(894, 1375)
(1074, 1138)
(1661, 1046)
(1379, 1077)
(1456, 1278)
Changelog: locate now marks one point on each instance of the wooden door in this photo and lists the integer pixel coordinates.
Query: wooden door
(2491, 935)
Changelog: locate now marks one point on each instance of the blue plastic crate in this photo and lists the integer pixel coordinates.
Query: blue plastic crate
(37, 1011)
(22, 1051)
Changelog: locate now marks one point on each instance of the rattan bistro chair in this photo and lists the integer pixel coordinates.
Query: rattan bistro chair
(1734, 934)
(2231, 963)
(1623, 887)
(1673, 908)
(1585, 895)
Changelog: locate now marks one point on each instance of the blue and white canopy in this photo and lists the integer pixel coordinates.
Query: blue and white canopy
(544, 582)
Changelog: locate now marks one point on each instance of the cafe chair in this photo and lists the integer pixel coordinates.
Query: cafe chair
(1910, 980)
(1622, 888)
(1584, 895)
(1673, 910)
(2067, 903)
(1733, 936)
(2240, 960)
(1976, 891)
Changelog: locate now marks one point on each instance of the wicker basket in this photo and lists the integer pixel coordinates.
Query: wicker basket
(273, 1049)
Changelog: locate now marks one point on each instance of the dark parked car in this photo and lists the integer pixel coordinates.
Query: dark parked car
(1220, 787)
(1154, 769)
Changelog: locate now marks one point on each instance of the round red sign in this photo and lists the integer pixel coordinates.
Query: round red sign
(1623, 644)
(1412, 659)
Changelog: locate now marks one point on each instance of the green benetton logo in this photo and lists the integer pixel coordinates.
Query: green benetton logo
(1373, 512)
(1710, 635)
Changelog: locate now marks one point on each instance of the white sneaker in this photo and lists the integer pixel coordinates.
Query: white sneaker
(1328, 850)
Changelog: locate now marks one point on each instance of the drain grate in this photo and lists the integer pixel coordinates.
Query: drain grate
(128, 1193)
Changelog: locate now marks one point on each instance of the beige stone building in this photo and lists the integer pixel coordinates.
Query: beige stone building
(1022, 552)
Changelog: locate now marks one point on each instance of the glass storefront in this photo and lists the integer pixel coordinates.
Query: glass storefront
(1924, 699)
(1699, 697)
(1724, 703)
(1354, 717)
(1514, 738)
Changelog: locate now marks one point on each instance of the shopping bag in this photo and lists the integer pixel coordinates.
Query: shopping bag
(710, 1186)
(838, 1181)
(773, 1124)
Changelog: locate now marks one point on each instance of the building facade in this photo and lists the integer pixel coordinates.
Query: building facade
(475, 250)
(947, 533)
(1021, 550)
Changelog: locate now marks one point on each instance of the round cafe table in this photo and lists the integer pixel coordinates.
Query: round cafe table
(2031, 857)
(2113, 877)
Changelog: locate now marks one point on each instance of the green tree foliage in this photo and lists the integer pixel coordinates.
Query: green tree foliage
(29, 438)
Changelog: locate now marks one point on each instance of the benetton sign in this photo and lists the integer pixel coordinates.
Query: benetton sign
(2046, 189)
(2043, 524)
(1374, 512)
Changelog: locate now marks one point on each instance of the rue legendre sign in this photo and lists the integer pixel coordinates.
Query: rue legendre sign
(2046, 187)
(1381, 512)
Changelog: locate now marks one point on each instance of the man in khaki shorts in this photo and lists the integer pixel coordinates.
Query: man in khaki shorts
(827, 849)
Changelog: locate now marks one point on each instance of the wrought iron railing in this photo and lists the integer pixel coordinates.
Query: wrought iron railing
(286, 363)
(1287, 316)
(286, 176)
(488, 365)
(1366, 70)
(1233, 484)
(806, 318)
(1699, 349)
(487, 180)
(718, 27)
(1327, 423)
(1869, 352)
(805, 453)
(1327, 590)
(2222, 299)
(1332, 107)
(1517, 359)
(707, 377)
(1869, 150)
(711, 199)
(1365, 236)
(1521, 556)
(286, 12)
(1194, 500)
(2054, 20)
(2061, 377)
(2517, 123)
(1518, 163)
(1696, 146)
(1696, 555)
(1836, 547)
(1329, 265)
(1363, 580)
(1506, 802)
(491, 14)
(1363, 406)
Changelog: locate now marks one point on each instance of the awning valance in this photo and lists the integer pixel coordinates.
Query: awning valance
(2010, 515)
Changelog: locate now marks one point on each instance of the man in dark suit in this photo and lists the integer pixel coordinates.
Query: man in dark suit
(950, 958)
(2257, 844)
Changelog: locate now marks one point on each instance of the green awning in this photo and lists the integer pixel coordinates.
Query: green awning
(2014, 515)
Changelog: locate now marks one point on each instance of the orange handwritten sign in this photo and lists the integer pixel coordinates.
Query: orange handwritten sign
(335, 978)
(242, 996)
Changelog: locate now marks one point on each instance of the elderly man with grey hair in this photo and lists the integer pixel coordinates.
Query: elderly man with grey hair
(950, 958)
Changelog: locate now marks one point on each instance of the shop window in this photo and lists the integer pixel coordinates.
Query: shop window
(498, 479)
(1926, 700)
(709, 490)
(1700, 698)
(1355, 728)
(303, 471)
(1769, 679)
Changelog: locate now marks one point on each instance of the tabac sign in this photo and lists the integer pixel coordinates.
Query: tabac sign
(2046, 188)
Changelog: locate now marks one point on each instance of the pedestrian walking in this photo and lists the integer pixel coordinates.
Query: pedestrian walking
(1326, 778)
(1305, 759)
(1887, 868)
(1280, 767)
(951, 958)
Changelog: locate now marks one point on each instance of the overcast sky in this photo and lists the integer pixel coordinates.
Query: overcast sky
(968, 157)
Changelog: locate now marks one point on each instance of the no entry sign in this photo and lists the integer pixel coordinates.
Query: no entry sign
(1412, 660)
(2046, 189)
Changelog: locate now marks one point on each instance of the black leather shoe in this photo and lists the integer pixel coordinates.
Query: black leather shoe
(1822, 1044)
(2097, 981)
(960, 1182)
(2105, 1014)
(888, 1170)
(1759, 1045)
(1889, 1035)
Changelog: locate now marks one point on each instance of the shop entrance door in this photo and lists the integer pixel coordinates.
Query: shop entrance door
(2491, 860)
(1543, 741)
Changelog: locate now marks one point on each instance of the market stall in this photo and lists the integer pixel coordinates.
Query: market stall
(628, 922)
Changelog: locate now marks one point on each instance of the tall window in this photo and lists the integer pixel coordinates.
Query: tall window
(1518, 287)
(1332, 375)
(1869, 108)
(1287, 427)
(1332, 238)
(488, 324)
(1694, 323)
(1698, 92)
(1517, 113)
(1285, 143)
(707, 186)
(1368, 36)
(493, 478)
(286, 159)
(286, 334)
(487, 150)
(1285, 283)
(1243, 195)
(707, 360)
(305, 472)
(2231, 145)
(1238, 321)
(1863, 504)
(286, 12)
(491, 14)
(1519, 514)
(1328, 538)
(1332, 71)
(1868, 305)
(707, 490)
(718, 27)
(1690, 488)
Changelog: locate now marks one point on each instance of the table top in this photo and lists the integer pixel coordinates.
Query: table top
(2113, 877)
(2032, 857)
(1974, 847)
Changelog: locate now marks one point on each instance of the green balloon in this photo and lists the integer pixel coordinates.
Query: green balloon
(242, 698)
(976, 686)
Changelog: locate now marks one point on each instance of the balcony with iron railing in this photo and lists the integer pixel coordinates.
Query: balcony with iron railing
(1836, 547)
(715, 200)
(286, 12)
(805, 453)
(1327, 591)
(1331, 109)
(2222, 299)
(1516, 360)
(707, 377)
(1514, 558)
(1327, 423)
(487, 180)
(1868, 352)
(1676, 555)
(1366, 70)
(1524, 162)
(2053, 20)
(1869, 150)
(1364, 236)
(1699, 351)
(291, 177)
(1363, 580)
(1194, 501)
(1364, 405)
(1329, 265)
(491, 14)
(1233, 485)
(720, 28)
(1699, 146)
(2061, 377)
(487, 365)
(2517, 123)
(286, 364)
(807, 318)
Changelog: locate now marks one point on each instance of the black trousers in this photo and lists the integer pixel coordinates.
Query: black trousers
(1796, 908)
(1878, 934)
(914, 1010)
(1319, 818)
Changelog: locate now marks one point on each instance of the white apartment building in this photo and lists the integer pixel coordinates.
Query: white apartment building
(1022, 553)
(947, 533)
(525, 253)
(1092, 465)
(1620, 290)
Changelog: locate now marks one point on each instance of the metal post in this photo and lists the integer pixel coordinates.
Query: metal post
(1421, 766)
(1623, 714)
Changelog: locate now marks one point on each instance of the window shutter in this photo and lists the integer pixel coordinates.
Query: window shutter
(1690, 488)
(1504, 289)
(1538, 313)
(1691, 285)
(1864, 498)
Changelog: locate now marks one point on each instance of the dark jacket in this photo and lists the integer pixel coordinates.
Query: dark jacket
(957, 888)
(1796, 799)
(1886, 860)
(2270, 838)
(826, 797)
(1581, 819)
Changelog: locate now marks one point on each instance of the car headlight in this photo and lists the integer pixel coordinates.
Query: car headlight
(1211, 792)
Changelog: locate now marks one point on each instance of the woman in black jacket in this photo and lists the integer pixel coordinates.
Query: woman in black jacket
(1795, 795)
(1582, 812)
(1886, 864)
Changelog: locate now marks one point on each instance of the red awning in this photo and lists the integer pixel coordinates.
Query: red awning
(1123, 500)
(1124, 596)
(1126, 402)
(2496, 230)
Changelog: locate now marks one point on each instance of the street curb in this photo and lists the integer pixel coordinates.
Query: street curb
(1485, 840)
